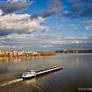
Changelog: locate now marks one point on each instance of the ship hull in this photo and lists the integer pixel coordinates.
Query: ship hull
(41, 72)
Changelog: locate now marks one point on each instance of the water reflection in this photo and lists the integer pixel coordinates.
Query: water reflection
(16, 59)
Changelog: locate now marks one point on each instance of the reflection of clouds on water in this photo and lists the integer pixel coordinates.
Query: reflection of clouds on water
(19, 66)
(15, 66)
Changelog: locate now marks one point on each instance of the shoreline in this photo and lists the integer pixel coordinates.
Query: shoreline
(26, 53)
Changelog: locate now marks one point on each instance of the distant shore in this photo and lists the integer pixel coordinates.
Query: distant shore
(73, 51)
(25, 53)
(39, 53)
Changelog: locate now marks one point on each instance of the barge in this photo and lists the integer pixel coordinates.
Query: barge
(32, 73)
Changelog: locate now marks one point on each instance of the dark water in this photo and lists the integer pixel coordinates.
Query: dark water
(77, 73)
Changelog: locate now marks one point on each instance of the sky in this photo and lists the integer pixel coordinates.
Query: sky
(45, 24)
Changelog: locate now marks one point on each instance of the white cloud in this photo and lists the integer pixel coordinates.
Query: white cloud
(88, 21)
(43, 41)
(57, 42)
(47, 46)
(77, 42)
(88, 27)
(20, 23)
(71, 25)
(1, 12)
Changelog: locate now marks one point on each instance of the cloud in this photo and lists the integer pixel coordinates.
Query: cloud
(87, 12)
(1, 12)
(88, 27)
(73, 27)
(11, 6)
(88, 21)
(20, 23)
(42, 41)
(72, 1)
(66, 14)
(79, 8)
(88, 24)
(53, 7)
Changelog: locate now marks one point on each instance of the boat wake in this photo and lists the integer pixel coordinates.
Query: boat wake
(10, 82)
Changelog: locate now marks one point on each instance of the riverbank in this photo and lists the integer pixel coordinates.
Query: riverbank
(25, 53)
(73, 51)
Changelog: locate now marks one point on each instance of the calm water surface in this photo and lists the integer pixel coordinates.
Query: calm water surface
(77, 73)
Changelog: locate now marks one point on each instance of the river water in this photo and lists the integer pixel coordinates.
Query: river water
(77, 74)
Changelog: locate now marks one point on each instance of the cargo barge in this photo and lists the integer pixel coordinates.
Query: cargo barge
(32, 73)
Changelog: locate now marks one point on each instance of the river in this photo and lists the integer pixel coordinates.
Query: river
(77, 74)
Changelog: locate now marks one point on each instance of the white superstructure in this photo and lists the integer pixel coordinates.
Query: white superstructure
(28, 74)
